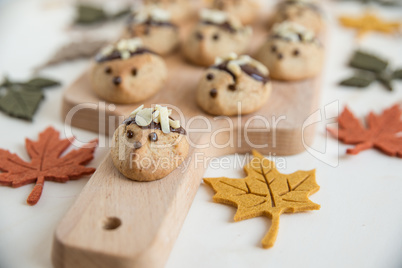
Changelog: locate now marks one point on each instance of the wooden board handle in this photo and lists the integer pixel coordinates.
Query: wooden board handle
(116, 222)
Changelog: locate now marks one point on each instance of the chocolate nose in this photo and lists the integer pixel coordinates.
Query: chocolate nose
(117, 80)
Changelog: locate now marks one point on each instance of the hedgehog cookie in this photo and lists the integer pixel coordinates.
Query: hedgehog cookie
(304, 12)
(291, 52)
(234, 85)
(179, 9)
(215, 35)
(245, 10)
(154, 27)
(127, 72)
(149, 144)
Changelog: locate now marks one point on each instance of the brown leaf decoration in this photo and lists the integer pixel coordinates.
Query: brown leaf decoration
(266, 192)
(73, 51)
(383, 131)
(46, 163)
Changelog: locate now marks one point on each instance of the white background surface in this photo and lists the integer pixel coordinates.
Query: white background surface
(359, 224)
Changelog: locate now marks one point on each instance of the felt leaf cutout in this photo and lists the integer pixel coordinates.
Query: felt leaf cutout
(366, 61)
(372, 68)
(89, 14)
(21, 103)
(386, 80)
(41, 82)
(369, 22)
(383, 131)
(397, 74)
(22, 99)
(380, 2)
(358, 80)
(73, 51)
(46, 163)
(266, 192)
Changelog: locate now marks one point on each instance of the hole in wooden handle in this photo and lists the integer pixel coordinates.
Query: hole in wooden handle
(111, 223)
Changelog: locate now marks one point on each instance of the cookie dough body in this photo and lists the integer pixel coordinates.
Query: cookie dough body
(307, 15)
(247, 92)
(245, 10)
(161, 39)
(138, 158)
(141, 76)
(179, 9)
(291, 60)
(206, 42)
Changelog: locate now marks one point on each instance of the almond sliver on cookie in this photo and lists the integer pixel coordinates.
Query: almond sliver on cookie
(144, 117)
(164, 119)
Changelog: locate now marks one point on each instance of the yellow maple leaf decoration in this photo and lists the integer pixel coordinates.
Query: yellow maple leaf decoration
(266, 192)
(369, 22)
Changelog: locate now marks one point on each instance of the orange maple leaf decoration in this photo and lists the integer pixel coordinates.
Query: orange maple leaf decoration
(383, 131)
(46, 163)
(266, 192)
(369, 22)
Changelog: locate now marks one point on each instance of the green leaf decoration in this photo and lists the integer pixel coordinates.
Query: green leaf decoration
(358, 80)
(121, 13)
(369, 62)
(379, 2)
(21, 103)
(386, 80)
(397, 74)
(41, 82)
(87, 14)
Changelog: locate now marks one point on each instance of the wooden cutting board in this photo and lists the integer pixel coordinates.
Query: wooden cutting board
(116, 222)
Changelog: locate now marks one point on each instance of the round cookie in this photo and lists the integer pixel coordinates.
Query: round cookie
(127, 72)
(154, 27)
(303, 12)
(234, 85)
(245, 10)
(216, 35)
(179, 9)
(149, 145)
(291, 52)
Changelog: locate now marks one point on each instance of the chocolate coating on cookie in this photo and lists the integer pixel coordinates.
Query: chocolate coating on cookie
(226, 26)
(116, 55)
(153, 125)
(248, 69)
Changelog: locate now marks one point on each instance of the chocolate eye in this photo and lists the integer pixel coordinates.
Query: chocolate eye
(232, 87)
(134, 71)
(296, 52)
(199, 36)
(273, 49)
(137, 145)
(215, 37)
(153, 136)
(130, 134)
(210, 77)
(213, 93)
(280, 56)
(108, 70)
